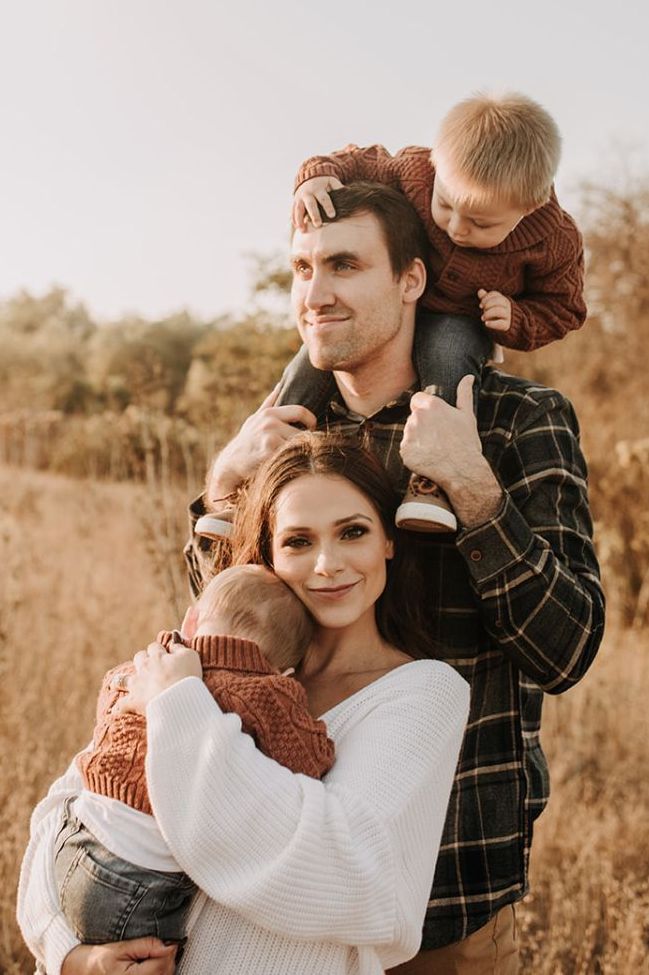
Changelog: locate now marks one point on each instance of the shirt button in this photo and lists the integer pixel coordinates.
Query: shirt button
(475, 555)
(453, 276)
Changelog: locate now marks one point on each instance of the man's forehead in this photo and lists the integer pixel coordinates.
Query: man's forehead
(360, 231)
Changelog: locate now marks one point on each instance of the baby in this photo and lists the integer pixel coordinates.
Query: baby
(117, 877)
(501, 248)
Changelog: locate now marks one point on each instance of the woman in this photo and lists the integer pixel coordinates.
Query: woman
(299, 875)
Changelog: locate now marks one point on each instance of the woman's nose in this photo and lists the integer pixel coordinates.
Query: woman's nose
(328, 561)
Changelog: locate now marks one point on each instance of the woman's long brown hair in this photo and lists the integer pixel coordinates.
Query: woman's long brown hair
(399, 609)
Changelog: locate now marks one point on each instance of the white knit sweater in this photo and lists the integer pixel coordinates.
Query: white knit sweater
(299, 875)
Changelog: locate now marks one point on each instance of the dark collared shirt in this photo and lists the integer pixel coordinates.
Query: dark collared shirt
(517, 608)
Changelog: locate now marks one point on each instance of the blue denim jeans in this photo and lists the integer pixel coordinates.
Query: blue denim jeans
(446, 348)
(105, 898)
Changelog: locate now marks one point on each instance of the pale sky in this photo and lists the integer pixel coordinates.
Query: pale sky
(148, 145)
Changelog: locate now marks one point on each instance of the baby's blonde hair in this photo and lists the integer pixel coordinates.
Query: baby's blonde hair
(258, 606)
(506, 146)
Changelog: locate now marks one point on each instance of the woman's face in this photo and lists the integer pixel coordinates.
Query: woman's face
(329, 546)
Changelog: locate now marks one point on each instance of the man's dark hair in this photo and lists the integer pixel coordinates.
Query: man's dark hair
(404, 233)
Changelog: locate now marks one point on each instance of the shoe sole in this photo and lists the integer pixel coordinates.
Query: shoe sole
(208, 526)
(425, 517)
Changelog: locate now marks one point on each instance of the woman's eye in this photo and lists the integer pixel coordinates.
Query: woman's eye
(354, 531)
(295, 541)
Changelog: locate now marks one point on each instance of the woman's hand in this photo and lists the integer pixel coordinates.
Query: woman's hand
(156, 669)
(144, 956)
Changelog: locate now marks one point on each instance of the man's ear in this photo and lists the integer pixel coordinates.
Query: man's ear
(413, 281)
(190, 623)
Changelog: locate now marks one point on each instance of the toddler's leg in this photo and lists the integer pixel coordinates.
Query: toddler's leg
(301, 384)
(447, 347)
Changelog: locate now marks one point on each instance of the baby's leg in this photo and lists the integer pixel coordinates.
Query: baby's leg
(106, 899)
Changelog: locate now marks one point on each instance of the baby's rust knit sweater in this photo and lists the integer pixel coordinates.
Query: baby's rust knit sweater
(273, 710)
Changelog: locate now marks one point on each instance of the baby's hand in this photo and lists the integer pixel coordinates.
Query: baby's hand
(306, 199)
(496, 310)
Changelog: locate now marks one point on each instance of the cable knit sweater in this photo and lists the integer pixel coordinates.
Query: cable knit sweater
(301, 875)
(273, 710)
(539, 266)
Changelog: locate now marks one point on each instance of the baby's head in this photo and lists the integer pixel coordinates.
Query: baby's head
(250, 602)
(495, 160)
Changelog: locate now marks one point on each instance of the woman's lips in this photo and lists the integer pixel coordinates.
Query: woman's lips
(334, 593)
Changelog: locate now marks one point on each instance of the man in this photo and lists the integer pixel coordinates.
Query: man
(515, 602)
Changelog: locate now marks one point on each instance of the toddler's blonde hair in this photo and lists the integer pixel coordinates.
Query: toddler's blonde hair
(258, 606)
(506, 146)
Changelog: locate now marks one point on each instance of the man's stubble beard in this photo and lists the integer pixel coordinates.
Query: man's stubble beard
(355, 350)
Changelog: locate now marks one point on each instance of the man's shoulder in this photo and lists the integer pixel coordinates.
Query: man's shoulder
(511, 404)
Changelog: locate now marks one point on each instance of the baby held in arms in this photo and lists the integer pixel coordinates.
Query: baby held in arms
(116, 875)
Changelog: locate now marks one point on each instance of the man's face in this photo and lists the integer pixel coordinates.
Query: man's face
(348, 305)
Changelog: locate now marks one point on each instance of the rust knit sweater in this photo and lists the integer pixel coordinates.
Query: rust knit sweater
(539, 266)
(273, 710)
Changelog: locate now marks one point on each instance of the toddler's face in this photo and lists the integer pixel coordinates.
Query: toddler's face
(481, 225)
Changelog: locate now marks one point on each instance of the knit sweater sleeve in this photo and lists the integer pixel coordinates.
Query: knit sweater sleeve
(40, 917)
(349, 859)
(553, 302)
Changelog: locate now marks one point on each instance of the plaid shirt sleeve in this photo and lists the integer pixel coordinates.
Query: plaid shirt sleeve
(533, 566)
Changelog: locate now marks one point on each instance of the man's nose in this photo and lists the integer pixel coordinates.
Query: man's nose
(319, 293)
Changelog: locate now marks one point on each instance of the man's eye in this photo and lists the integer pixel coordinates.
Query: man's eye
(301, 269)
(344, 266)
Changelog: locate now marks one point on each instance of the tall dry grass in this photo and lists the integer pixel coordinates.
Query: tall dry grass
(86, 581)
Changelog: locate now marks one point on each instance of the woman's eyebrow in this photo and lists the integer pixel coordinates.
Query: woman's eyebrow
(342, 521)
(309, 528)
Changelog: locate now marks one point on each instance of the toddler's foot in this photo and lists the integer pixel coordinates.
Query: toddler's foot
(425, 508)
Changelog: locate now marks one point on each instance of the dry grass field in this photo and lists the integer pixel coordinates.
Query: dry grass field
(90, 571)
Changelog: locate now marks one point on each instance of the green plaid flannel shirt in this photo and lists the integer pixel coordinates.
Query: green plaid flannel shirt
(517, 606)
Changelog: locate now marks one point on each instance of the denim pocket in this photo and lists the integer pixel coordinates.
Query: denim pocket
(97, 900)
(107, 899)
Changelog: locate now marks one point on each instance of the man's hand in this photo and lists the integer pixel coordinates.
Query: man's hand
(141, 956)
(307, 197)
(260, 436)
(441, 442)
(496, 310)
(156, 669)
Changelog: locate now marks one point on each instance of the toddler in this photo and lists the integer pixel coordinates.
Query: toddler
(116, 876)
(503, 254)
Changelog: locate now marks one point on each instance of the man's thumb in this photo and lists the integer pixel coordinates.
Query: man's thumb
(464, 398)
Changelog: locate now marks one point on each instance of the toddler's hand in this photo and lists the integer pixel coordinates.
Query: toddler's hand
(306, 199)
(496, 310)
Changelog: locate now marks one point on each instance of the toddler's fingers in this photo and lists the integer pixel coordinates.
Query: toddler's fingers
(326, 203)
(497, 324)
(311, 204)
(298, 213)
